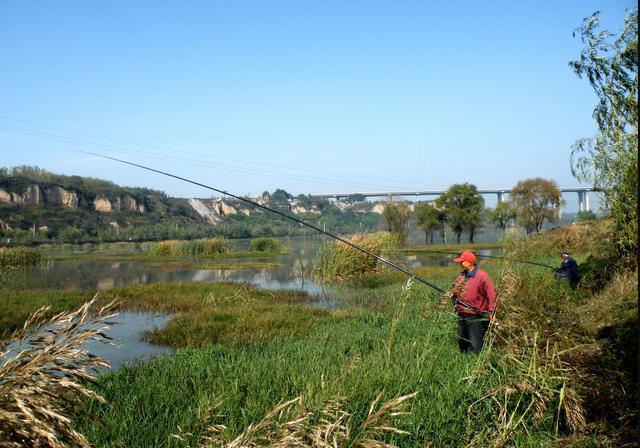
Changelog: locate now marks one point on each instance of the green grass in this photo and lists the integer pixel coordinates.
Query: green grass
(348, 358)
(278, 309)
(252, 349)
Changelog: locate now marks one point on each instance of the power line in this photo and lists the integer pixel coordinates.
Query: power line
(188, 161)
(174, 150)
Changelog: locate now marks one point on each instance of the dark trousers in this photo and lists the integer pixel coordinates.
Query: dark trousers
(471, 331)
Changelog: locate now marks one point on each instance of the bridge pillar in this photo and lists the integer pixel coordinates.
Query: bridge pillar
(499, 197)
(586, 201)
(580, 201)
(417, 197)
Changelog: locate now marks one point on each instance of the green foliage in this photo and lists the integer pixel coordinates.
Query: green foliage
(586, 215)
(280, 199)
(355, 198)
(536, 200)
(463, 208)
(429, 219)
(264, 245)
(396, 217)
(502, 214)
(610, 159)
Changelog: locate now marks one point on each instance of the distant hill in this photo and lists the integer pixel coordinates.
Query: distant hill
(38, 206)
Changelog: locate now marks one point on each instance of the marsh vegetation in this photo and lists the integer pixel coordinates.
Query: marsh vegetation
(267, 367)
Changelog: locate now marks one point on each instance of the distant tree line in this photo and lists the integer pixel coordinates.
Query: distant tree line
(461, 209)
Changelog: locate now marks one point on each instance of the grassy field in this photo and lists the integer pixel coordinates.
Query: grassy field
(264, 368)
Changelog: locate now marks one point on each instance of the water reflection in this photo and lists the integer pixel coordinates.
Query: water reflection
(126, 331)
(294, 272)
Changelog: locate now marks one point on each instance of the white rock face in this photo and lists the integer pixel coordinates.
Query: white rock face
(59, 196)
(102, 205)
(5, 197)
(203, 210)
(298, 208)
(33, 195)
(224, 208)
(128, 203)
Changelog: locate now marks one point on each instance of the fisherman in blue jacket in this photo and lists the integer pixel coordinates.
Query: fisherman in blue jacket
(569, 269)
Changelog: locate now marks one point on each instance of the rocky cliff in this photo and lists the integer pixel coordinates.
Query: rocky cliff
(35, 195)
(214, 210)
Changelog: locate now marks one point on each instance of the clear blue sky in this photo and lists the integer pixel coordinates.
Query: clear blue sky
(311, 97)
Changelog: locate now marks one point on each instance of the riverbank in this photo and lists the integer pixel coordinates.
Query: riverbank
(559, 370)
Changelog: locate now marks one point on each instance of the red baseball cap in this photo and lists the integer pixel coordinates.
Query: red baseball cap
(467, 256)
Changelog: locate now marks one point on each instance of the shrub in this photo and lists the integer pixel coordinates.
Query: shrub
(264, 245)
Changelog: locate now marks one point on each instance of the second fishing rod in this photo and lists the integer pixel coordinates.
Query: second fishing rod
(494, 257)
(296, 220)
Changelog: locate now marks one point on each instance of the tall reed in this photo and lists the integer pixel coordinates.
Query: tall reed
(338, 261)
(205, 247)
(294, 424)
(17, 257)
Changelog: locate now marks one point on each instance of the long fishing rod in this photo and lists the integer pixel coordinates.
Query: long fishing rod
(292, 218)
(489, 256)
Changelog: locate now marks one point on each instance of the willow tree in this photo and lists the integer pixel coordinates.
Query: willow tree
(535, 201)
(462, 205)
(610, 159)
(396, 217)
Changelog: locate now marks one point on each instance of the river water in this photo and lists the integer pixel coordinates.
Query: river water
(293, 273)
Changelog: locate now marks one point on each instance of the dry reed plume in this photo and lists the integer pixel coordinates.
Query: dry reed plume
(43, 375)
(292, 425)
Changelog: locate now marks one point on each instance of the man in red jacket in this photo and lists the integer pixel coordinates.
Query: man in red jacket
(475, 301)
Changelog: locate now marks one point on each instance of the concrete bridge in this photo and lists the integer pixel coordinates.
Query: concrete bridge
(583, 194)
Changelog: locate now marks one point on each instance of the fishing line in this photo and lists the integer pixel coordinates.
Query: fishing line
(292, 218)
(487, 256)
